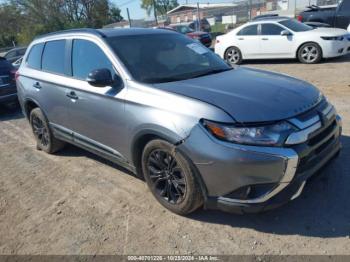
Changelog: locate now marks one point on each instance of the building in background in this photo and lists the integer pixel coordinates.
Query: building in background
(188, 12)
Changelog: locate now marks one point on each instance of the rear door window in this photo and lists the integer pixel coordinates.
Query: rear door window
(54, 57)
(86, 57)
(249, 30)
(34, 57)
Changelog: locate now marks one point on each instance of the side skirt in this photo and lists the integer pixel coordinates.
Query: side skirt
(91, 146)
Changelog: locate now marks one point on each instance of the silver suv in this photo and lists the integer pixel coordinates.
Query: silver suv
(162, 105)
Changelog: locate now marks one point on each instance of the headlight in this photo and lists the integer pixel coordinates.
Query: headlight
(336, 38)
(267, 135)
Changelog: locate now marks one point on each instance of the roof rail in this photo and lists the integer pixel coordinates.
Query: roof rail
(77, 30)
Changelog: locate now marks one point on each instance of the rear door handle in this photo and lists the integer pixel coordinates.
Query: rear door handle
(72, 95)
(37, 85)
(264, 39)
(241, 38)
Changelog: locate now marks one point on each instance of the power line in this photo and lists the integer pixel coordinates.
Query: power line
(126, 3)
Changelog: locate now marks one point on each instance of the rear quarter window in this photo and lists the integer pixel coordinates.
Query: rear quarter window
(34, 57)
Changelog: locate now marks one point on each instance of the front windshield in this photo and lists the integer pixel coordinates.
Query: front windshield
(157, 58)
(183, 29)
(295, 25)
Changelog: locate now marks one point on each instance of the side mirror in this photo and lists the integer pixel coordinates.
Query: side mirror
(286, 33)
(100, 78)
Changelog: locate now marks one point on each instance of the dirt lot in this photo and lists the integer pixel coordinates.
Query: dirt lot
(76, 203)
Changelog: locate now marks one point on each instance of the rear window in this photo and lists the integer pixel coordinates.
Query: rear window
(295, 25)
(34, 57)
(54, 56)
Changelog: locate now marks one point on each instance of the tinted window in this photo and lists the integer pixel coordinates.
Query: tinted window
(271, 29)
(295, 25)
(249, 30)
(165, 57)
(86, 57)
(34, 57)
(345, 7)
(21, 52)
(53, 56)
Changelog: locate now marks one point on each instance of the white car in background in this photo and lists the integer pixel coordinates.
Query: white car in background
(278, 37)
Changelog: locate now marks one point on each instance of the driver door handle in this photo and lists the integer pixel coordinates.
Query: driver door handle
(37, 85)
(240, 38)
(72, 95)
(264, 38)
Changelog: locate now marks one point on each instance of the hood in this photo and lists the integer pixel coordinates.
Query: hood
(326, 31)
(249, 95)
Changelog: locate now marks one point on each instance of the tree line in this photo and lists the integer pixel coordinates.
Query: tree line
(22, 20)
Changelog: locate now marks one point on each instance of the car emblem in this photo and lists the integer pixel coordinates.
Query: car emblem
(323, 118)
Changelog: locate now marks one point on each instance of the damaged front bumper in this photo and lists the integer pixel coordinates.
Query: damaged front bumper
(245, 179)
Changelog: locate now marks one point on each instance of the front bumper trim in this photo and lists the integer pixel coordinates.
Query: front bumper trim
(291, 167)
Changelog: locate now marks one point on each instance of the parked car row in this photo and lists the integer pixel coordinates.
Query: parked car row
(167, 108)
(282, 37)
(8, 91)
(337, 16)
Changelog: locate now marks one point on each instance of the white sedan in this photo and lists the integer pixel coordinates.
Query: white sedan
(279, 37)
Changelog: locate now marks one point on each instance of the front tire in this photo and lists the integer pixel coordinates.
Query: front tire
(310, 53)
(233, 56)
(42, 133)
(171, 178)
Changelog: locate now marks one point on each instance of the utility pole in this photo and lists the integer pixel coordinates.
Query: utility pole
(198, 24)
(250, 10)
(127, 11)
(155, 11)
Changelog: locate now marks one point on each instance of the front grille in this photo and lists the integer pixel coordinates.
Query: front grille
(317, 147)
(322, 134)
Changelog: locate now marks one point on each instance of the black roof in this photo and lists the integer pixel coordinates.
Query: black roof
(270, 17)
(109, 32)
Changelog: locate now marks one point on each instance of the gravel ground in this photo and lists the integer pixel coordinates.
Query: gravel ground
(76, 203)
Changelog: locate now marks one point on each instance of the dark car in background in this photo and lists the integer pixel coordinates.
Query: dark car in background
(202, 26)
(15, 54)
(8, 91)
(200, 36)
(337, 16)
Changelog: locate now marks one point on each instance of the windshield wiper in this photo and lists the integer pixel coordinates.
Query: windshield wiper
(212, 72)
(161, 80)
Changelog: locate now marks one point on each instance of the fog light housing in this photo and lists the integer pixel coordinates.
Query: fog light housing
(251, 191)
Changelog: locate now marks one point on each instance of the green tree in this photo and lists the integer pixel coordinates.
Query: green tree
(162, 6)
(21, 20)
(10, 24)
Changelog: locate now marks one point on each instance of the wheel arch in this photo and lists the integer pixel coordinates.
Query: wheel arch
(308, 42)
(29, 104)
(227, 48)
(144, 137)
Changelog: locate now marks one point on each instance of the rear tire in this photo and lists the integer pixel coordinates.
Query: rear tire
(310, 53)
(171, 178)
(233, 56)
(43, 135)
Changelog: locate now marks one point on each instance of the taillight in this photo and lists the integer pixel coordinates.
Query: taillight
(300, 18)
(16, 74)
